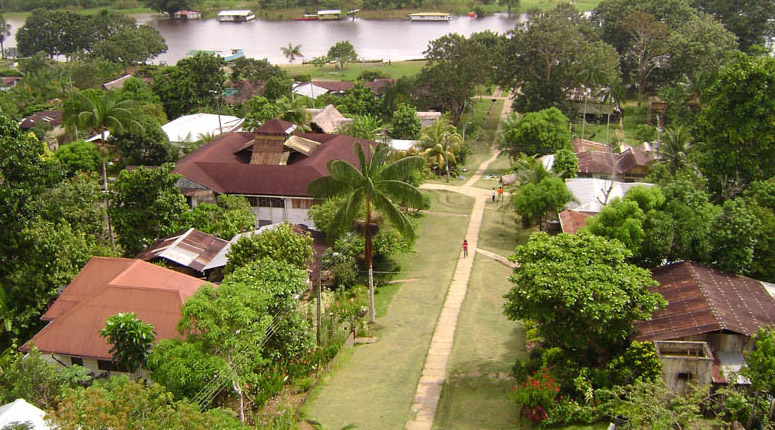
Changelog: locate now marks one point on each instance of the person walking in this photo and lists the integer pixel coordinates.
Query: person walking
(500, 193)
(465, 248)
(493, 194)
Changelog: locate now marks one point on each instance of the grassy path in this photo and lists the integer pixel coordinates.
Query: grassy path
(374, 386)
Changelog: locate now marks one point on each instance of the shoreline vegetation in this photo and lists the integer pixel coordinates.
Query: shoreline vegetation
(456, 8)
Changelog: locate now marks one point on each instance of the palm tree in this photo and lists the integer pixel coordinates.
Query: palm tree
(364, 127)
(611, 94)
(294, 109)
(5, 30)
(674, 149)
(101, 112)
(292, 52)
(439, 157)
(443, 133)
(374, 185)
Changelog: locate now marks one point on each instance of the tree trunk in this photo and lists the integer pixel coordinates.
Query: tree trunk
(238, 390)
(753, 411)
(584, 118)
(368, 255)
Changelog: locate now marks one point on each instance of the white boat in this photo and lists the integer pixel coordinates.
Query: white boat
(236, 15)
(329, 15)
(430, 16)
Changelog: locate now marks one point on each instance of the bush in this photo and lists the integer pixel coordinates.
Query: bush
(370, 75)
(536, 395)
(302, 78)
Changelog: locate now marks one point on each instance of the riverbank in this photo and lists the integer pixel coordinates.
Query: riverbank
(459, 8)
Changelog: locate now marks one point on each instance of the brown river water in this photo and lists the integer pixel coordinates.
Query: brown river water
(373, 40)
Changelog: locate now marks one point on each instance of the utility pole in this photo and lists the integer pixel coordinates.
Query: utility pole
(320, 298)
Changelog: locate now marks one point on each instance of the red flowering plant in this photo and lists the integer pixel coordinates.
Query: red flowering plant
(536, 395)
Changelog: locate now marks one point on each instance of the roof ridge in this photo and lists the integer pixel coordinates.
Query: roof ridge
(705, 296)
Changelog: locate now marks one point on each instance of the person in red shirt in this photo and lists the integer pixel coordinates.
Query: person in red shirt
(465, 248)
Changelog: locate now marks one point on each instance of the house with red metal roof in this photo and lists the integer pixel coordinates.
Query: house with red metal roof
(270, 166)
(707, 325)
(187, 252)
(103, 288)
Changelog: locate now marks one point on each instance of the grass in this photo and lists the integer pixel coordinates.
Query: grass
(476, 403)
(525, 5)
(375, 387)
(393, 69)
(501, 229)
(486, 346)
(454, 203)
(628, 133)
(497, 168)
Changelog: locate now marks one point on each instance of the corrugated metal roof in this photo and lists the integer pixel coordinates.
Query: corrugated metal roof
(703, 300)
(571, 221)
(192, 248)
(105, 287)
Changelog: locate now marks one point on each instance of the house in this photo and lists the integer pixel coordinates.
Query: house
(591, 194)
(271, 167)
(116, 84)
(335, 87)
(379, 85)
(51, 120)
(18, 412)
(242, 91)
(187, 252)
(105, 287)
(327, 120)
(705, 307)
(629, 165)
(572, 220)
(194, 128)
(428, 118)
(10, 81)
(309, 89)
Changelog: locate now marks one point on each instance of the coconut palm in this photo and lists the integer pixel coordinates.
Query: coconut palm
(375, 184)
(674, 149)
(292, 52)
(443, 133)
(294, 109)
(5, 30)
(101, 112)
(438, 158)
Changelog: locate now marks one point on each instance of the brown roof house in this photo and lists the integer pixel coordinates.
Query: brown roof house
(327, 120)
(271, 167)
(187, 252)
(707, 325)
(105, 287)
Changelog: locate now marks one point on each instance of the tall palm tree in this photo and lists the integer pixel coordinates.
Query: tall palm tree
(292, 52)
(5, 30)
(674, 149)
(101, 112)
(439, 157)
(374, 185)
(364, 127)
(443, 133)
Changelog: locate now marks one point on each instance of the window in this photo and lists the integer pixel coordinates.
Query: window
(266, 202)
(302, 203)
(76, 361)
(684, 376)
(263, 222)
(107, 365)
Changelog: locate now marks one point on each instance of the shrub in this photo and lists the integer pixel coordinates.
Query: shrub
(536, 395)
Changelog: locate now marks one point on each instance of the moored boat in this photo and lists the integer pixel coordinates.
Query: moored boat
(307, 17)
(236, 15)
(430, 17)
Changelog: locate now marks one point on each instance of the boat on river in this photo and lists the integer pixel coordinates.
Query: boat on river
(236, 15)
(330, 14)
(430, 17)
(307, 17)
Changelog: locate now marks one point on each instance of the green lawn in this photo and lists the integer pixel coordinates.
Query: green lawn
(393, 69)
(501, 229)
(486, 346)
(525, 5)
(497, 168)
(375, 387)
(454, 203)
(475, 404)
(626, 132)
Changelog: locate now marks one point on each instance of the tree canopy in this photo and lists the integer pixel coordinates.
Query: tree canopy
(130, 338)
(280, 243)
(580, 291)
(542, 132)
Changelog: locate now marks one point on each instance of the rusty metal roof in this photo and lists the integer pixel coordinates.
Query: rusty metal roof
(704, 300)
(105, 287)
(571, 221)
(191, 248)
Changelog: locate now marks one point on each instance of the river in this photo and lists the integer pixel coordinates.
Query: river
(373, 40)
